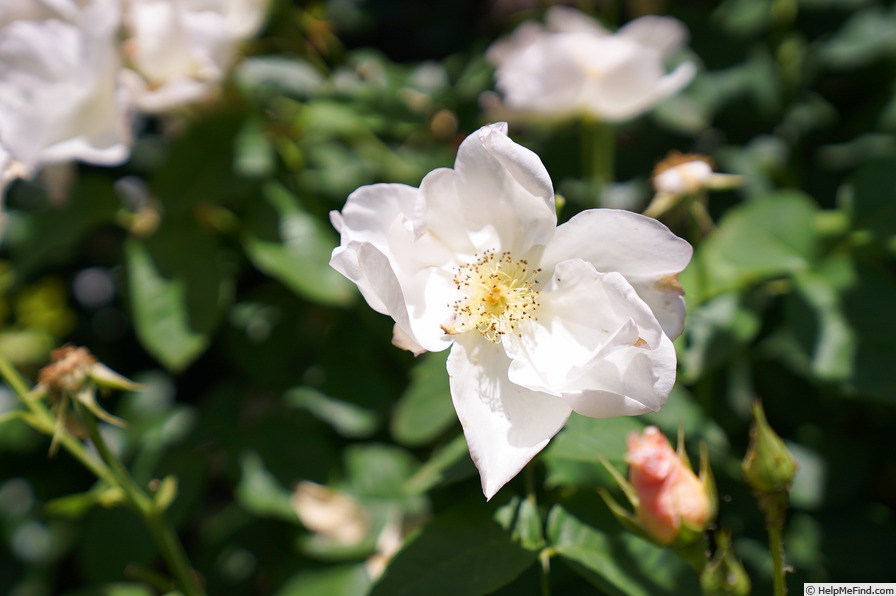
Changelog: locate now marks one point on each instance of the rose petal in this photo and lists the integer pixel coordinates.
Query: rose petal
(594, 343)
(505, 425)
(640, 248)
(664, 34)
(495, 185)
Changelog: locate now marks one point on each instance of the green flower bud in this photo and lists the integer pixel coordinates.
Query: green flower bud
(768, 465)
(723, 574)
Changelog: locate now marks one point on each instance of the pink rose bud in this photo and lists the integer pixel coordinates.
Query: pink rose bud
(669, 493)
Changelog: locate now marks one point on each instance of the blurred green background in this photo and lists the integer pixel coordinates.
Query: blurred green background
(199, 268)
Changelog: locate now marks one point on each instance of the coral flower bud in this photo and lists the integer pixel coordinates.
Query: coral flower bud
(670, 495)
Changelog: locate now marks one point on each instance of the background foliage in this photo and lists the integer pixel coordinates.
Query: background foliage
(200, 269)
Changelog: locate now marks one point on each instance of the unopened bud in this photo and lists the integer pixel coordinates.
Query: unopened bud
(672, 502)
(723, 574)
(768, 465)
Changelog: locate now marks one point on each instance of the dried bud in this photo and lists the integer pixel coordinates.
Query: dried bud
(683, 174)
(768, 465)
(68, 371)
(73, 375)
(670, 497)
(332, 514)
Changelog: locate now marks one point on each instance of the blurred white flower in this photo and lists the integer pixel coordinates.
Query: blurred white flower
(179, 51)
(541, 320)
(59, 93)
(573, 66)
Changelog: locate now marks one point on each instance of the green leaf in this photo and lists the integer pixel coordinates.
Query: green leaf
(520, 517)
(178, 287)
(285, 242)
(867, 35)
(203, 166)
(53, 235)
(448, 464)
(111, 540)
(342, 580)
(117, 589)
(765, 238)
(348, 419)
(462, 552)
(260, 493)
(870, 198)
(425, 409)
(715, 330)
(377, 470)
(573, 456)
(618, 564)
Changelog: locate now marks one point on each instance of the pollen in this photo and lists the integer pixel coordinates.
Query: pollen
(496, 293)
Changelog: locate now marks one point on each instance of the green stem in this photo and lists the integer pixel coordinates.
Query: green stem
(544, 556)
(109, 469)
(598, 158)
(165, 538)
(776, 546)
(12, 377)
(544, 560)
(774, 506)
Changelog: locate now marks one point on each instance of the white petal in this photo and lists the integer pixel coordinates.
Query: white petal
(640, 248)
(43, 61)
(676, 80)
(370, 212)
(631, 82)
(381, 285)
(495, 185)
(595, 343)
(662, 33)
(542, 79)
(505, 425)
(564, 19)
(376, 227)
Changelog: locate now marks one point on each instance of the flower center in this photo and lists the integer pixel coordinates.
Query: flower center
(496, 293)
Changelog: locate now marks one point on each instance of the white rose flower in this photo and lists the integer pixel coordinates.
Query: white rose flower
(541, 320)
(59, 94)
(573, 66)
(180, 50)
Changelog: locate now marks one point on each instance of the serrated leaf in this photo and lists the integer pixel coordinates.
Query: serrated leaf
(285, 242)
(425, 409)
(461, 552)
